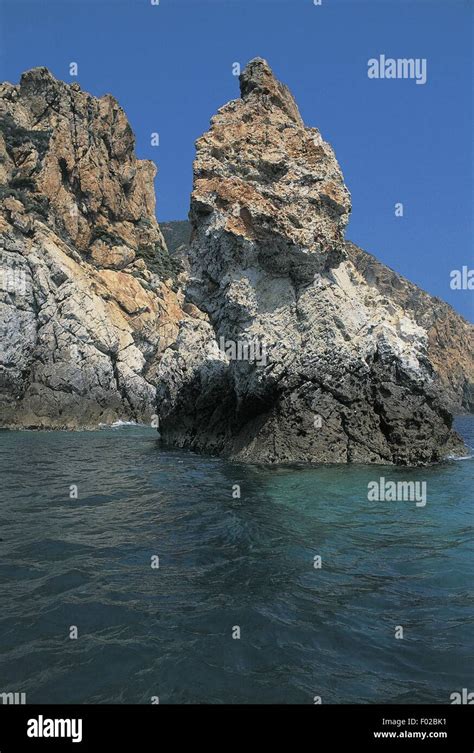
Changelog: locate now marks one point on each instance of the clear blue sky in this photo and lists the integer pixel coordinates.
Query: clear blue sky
(170, 67)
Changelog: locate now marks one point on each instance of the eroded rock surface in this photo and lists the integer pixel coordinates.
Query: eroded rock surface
(341, 370)
(87, 303)
(450, 336)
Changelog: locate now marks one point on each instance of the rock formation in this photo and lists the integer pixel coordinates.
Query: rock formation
(450, 336)
(272, 340)
(87, 303)
(298, 355)
(177, 235)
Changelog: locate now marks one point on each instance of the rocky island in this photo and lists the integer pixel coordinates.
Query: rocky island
(269, 338)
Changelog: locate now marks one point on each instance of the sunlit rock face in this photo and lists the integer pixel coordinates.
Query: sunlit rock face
(86, 303)
(296, 356)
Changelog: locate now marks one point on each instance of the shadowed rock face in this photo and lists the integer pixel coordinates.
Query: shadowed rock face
(84, 318)
(450, 336)
(341, 372)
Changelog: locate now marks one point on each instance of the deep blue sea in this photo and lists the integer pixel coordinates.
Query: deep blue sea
(227, 564)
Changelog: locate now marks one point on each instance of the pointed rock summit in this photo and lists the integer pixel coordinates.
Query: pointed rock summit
(271, 179)
(257, 82)
(298, 357)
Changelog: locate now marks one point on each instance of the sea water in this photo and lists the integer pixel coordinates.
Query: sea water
(131, 573)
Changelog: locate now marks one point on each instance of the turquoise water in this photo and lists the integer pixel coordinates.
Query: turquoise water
(227, 562)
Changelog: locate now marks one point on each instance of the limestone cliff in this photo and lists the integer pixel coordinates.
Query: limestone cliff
(299, 356)
(87, 298)
(450, 336)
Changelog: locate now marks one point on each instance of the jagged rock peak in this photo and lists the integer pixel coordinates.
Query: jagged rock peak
(258, 80)
(260, 174)
(38, 75)
(75, 153)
